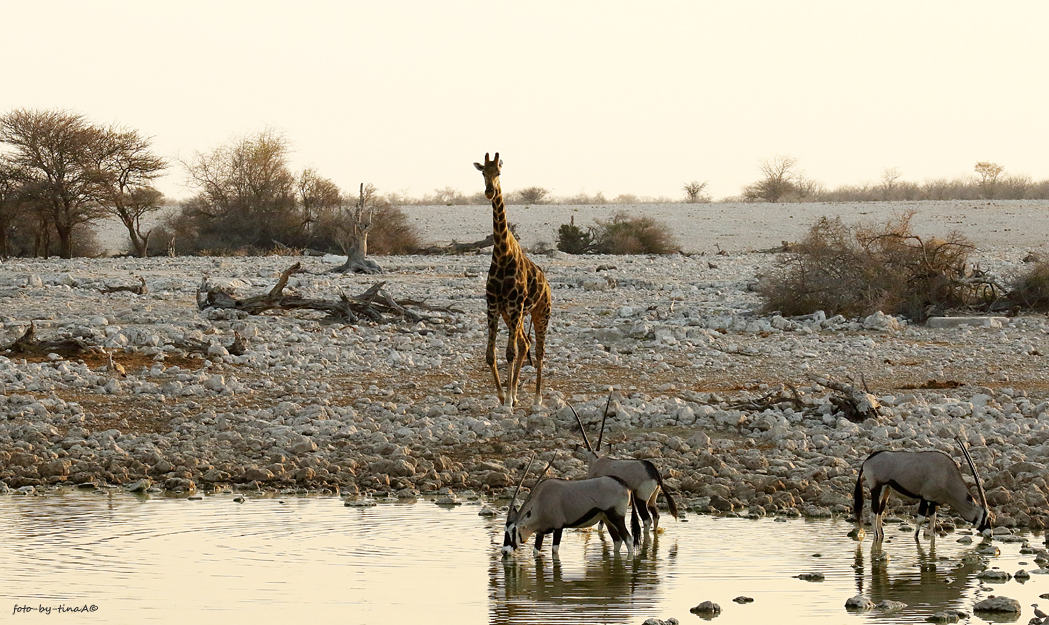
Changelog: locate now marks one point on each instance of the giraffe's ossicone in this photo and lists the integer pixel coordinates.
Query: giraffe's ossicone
(516, 287)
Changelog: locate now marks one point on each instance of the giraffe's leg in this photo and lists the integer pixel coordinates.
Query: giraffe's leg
(514, 355)
(523, 345)
(540, 320)
(489, 357)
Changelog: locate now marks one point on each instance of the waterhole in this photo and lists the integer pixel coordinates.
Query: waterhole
(277, 559)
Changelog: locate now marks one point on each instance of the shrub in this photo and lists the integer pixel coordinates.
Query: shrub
(1031, 289)
(624, 234)
(391, 232)
(856, 271)
(572, 239)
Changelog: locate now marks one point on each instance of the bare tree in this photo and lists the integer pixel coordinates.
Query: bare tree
(126, 169)
(889, 178)
(56, 150)
(988, 175)
(694, 191)
(354, 241)
(780, 178)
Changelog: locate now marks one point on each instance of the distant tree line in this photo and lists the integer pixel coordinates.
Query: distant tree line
(783, 181)
(60, 174)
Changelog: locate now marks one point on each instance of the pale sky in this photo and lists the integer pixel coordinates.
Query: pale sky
(617, 97)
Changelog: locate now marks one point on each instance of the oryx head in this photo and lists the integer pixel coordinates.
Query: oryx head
(520, 522)
(511, 535)
(593, 453)
(984, 517)
(490, 169)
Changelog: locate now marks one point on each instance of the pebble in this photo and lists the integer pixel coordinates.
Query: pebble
(998, 605)
(706, 608)
(859, 603)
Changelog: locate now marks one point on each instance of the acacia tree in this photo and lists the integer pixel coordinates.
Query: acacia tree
(532, 195)
(988, 175)
(247, 192)
(126, 170)
(694, 192)
(780, 178)
(56, 152)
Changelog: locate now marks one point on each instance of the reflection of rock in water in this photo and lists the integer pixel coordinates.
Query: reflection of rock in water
(933, 585)
(552, 589)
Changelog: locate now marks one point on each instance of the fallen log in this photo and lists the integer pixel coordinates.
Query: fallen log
(375, 304)
(29, 345)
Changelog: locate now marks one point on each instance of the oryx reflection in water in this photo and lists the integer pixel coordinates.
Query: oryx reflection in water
(599, 587)
(923, 580)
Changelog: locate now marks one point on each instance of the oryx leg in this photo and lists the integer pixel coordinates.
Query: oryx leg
(643, 511)
(613, 531)
(617, 528)
(654, 510)
(538, 543)
(489, 355)
(557, 540)
(879, 498)
(926, 509)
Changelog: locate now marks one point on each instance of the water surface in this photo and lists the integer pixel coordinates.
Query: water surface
(281, 559)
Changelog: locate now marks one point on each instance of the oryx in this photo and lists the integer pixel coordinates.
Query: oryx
(641, 476)
(556, 504)
(932, 477)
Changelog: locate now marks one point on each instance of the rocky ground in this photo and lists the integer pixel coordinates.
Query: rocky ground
(404, 408)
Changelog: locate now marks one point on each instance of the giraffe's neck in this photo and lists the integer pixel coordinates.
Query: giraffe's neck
(502, 238)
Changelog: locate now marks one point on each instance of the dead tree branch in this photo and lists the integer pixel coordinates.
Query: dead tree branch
(375, 304)
(857, 405)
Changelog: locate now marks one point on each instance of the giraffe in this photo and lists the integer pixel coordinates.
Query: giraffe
(516, 287)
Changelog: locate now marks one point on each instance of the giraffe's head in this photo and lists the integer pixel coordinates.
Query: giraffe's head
(490, 169)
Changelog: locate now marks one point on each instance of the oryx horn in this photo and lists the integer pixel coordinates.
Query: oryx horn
(519, 484)
(586, 441)
(543, 474)
(976, 474)
(601, 435)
